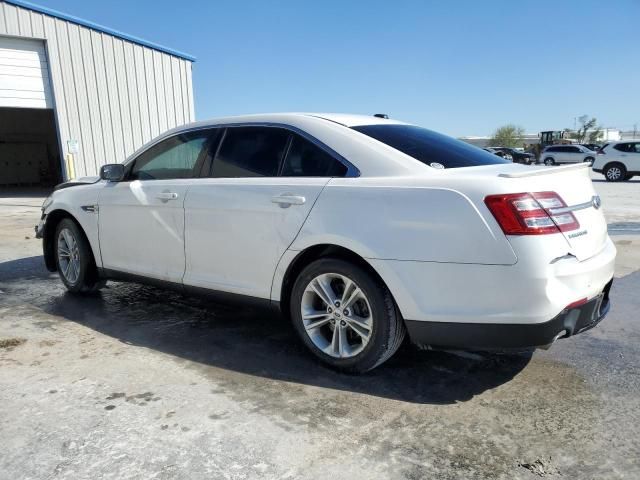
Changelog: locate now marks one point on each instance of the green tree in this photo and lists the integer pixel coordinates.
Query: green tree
(507, 136)
(587, 132)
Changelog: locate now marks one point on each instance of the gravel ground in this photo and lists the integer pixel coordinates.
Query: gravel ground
(137, 382)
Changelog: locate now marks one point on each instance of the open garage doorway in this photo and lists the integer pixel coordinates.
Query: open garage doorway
(29, 149)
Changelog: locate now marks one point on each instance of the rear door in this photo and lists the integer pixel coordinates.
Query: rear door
(141, 220)
(263, 183)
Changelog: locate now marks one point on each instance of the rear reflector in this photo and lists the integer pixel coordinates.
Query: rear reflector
(576, 304)
(529, 213)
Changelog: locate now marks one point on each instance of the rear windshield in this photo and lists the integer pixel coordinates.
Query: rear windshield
(430, 147)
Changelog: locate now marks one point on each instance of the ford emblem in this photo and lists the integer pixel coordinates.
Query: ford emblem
(595, 200)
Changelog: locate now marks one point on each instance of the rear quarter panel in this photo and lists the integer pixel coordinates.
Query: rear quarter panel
(395, 220)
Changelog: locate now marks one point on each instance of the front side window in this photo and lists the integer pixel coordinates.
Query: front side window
(430, 147)
(305, 159)
(635, 148)
(175, 157)
(250, 152)
(575, 150)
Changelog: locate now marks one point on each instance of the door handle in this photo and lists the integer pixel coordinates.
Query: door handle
(287, 200)
(166, 196)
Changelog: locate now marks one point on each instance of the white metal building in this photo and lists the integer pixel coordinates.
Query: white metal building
(75, 95)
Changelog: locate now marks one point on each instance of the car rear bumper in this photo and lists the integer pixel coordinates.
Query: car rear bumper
(535, 289)
(570, 321)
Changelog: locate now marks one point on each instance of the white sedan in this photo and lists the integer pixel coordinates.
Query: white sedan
(360, 229)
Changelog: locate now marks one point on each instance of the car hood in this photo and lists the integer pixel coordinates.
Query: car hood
(77, 182)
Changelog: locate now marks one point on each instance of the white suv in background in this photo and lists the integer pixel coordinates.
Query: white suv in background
(618, 161)
(556, 154)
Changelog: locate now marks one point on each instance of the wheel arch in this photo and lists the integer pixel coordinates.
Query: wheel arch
(310, 254)
(48, 237)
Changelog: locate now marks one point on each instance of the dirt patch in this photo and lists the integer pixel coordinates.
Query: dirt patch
(11, 342)
(540, 467)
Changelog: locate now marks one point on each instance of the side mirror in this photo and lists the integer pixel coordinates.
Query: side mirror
(113, 172)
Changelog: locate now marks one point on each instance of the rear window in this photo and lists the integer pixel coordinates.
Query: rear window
(430, 147)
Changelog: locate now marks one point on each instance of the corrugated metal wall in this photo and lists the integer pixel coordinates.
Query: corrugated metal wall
(111, 95)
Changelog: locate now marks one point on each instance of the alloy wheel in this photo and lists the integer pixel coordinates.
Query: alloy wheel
(614, 173)
(336, 315)
(68, 256)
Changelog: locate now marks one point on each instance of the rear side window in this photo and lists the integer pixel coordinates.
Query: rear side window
(250, 152)
(623, 147)
(305, 159)
(430, 147)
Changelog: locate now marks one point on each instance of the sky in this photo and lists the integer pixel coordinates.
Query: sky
(458, 67)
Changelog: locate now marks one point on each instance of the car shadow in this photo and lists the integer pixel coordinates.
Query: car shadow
(250, 341)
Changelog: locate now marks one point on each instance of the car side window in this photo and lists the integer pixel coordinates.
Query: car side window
(175, 157)
(250, 152)
(552, 149)
(304, 159)
(622, 147)
(575, 150)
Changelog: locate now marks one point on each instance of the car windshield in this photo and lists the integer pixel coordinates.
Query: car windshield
(431, 148)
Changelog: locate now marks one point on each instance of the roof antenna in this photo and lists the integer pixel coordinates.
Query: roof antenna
(381, 115)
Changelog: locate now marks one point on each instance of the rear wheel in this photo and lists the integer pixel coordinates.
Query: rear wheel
(74, 259)
(345, 315)
(615, 172)
(549, 161)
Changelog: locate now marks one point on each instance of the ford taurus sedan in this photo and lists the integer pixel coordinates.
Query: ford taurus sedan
(360, 229)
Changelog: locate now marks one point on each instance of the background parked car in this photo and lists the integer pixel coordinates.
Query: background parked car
(591, 146)
(515, 155)
(556, 154)
(496, 152)
(618, 161)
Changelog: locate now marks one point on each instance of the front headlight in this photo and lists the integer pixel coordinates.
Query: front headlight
(47, 201)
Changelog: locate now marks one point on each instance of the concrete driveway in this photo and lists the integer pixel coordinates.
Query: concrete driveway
(137, 382)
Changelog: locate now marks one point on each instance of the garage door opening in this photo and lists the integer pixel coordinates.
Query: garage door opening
(29, 149)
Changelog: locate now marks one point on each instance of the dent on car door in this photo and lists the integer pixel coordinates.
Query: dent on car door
(141, 219)
(239, 222)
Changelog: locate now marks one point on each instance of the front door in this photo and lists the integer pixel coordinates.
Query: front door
(141, 219)
(264, 182)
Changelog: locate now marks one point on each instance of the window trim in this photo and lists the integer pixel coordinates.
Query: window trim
(352, 170)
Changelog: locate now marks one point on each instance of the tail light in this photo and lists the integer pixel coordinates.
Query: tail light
(530, 213)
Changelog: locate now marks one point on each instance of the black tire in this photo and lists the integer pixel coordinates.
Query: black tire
(87, 279)
(388, 330)
(589, 160)
(614, 172)
(549, 161)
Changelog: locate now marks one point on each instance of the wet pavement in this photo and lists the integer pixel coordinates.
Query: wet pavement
(138, 382)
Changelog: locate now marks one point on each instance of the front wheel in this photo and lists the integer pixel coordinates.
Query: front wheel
(549, 161)
(345, 315)
(74, 259)
(589, 160)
